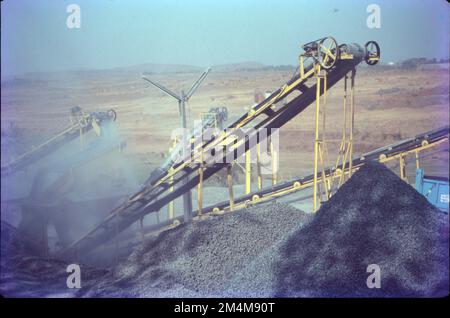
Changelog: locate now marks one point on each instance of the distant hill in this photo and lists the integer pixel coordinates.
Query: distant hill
(148, 68)
(152, 68)
(176, 68)
(245, 66)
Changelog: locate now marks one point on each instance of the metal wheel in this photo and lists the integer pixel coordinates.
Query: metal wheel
(112, 114)
(328, 52)
(372, 52)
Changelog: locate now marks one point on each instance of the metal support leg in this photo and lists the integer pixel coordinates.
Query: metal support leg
(200, 191)
(248, 172)
(258, 165)
(187, 197)
(316, 145)
(352, 121)
(417, 160)
(230, 186)
(170, 205)
(200, 186)
(344, 143)
(274, 163)
(403, 169)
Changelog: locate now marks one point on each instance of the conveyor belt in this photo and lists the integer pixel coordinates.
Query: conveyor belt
(421, 142)
(86, 123)
(383, 154)
(154, 194)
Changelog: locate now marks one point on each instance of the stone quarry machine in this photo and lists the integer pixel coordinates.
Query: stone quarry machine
(49, 168)
(81, 123)
(323, 63)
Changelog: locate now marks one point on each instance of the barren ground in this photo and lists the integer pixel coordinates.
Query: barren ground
(390, 105)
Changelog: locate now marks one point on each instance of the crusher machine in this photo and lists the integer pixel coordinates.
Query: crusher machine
(322, 64)
(48, 168)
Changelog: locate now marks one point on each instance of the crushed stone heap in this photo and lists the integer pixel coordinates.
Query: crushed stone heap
(203, 259)
(272, 250)
(374, 218)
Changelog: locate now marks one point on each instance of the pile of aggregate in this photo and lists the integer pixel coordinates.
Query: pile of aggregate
(374, 218)
(270, 250)
(208, 258)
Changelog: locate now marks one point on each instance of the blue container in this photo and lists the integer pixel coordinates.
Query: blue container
(435, 189)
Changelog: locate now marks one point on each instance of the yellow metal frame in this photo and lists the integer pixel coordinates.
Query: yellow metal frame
(274, 162)
(248, 172)
(230, 186)
(335, 176)
(258, 165)
(200, 187)
(321, 157)
(401, 157)
(225, 135)
(323, 184)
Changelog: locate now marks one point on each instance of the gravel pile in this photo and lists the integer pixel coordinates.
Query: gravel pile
(374, 218)
(272, 250)
(203, 259)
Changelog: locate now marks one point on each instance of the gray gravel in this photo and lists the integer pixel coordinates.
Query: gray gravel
(374, 218)
(211, 258)
(272, 250)
(276, 250)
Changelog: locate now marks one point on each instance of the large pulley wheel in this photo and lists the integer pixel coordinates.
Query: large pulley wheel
(112, 114)
(327, 52)
(372, 54)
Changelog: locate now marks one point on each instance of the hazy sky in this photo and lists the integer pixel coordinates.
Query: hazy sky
(34, 35)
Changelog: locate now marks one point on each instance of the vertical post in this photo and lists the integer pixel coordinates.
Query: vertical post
(274, 163)
(187, 198)
(258, 165)
(352, 121)
(323, 146)
(302, 68)
(200, 184)
(170, 205)
(200, 191)
(316, 143)
(403, 168)
(230, 186)
(248, 172)
(417, 160)
(343, 148)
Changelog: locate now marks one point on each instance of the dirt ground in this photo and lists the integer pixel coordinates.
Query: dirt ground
(391, 104)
